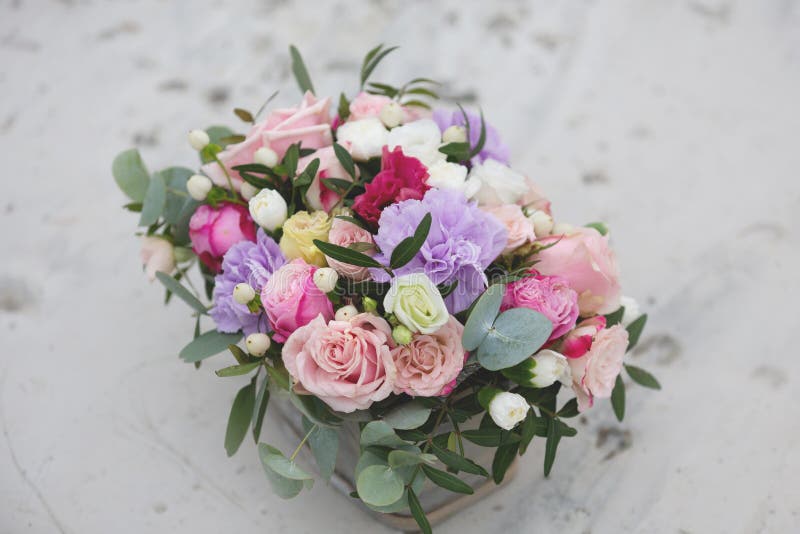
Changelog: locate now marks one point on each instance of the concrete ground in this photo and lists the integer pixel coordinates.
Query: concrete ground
(674, 121)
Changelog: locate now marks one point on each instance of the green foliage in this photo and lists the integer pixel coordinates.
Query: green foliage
(285, 477)
(418, 513)
(237, 370)
(635, 331)
(346, 255)
(244, 115)
(239, 418)
(381, 434)
(489, 437)
(408, 416)
(324, 443)
(515, 335)
(372, 59)
(446, 480)
(345, 159)
(131, 175)
(503, 458)
(379, 485)
(260, 409)
(405, 251)
(553, 437)
(642, 377)
(207, 344)
(482, 317)
(615, 317)
(314, 409)
(458, 462)
(184, 294)
(599, 226)
(299, 70)
(618, 398)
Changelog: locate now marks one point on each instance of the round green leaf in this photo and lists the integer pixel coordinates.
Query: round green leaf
(154, 200)
(482, 316)
(277, 462)
(381, 434)
(517, 333)
(131, 175)
(379, 485)
(410, 415)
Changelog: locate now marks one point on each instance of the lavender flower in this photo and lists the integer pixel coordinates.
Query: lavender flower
(493, 148)
(251, 263)
(462, 242)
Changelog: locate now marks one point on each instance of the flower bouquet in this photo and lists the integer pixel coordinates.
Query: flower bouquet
(395, 284)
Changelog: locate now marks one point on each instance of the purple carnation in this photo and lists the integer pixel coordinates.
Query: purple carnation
(245, 262)
(493, 148)
(462, 242)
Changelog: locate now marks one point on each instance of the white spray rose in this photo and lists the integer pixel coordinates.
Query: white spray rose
(550, 367)
(417, 303)
(364, 138)
(499, 183)
(268, 209)
(507, 410)
(452, 176)
(419, 139)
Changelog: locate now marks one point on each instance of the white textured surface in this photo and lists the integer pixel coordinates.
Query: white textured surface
(675, 121)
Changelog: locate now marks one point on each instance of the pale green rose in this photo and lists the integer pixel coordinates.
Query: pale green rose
(416, 302)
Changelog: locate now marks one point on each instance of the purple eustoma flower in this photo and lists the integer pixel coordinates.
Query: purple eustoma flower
(245, 262)
(462, 242)
(493, 147)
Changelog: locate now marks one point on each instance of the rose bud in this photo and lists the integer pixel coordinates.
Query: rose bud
(198, 187)
(268, 209)
(325, 278)
(541, 371)
(199, 139)
(257, 344)
(507, 410)
(243, 293)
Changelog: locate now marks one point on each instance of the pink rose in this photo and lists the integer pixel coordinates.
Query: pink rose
(579, 341)
(158, 255)
(344, 234)
(594, 373)
(347, 364)
(214, 231)
(428, 365)
(549, 295)
(520, 229)
(589, 265)
(292, 299)
(365, 105)
(318, 196)
(309, 124)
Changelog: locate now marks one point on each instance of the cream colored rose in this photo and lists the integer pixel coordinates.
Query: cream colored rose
(299, 233)
(417, 303)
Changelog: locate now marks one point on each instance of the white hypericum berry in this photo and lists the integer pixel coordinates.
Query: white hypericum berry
(507, 410)
(243, 293)
(455, 134)
(248, 191)
(266, 156)
(325, 278)
(268, 209)
(198, 186)
(391, 114)
(198, 139)
(542, 223)
(257, 344)
(345, 313)
(562, 229)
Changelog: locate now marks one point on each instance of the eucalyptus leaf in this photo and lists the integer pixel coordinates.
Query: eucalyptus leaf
(184, 294)
(284, 487)
(324, 443)
(260, 409)
(239, 418)
(482, 317)
(380, 433)
(315, 409)
(154, 201)
(516, 334)
(400, 458)
(130, 174)
(177, 196)
(408, 416)
(618, 398)
(379, 485)
(208, 344)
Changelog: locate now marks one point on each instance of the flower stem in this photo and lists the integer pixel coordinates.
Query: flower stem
(297, 450)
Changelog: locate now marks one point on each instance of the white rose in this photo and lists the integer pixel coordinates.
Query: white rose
(550, 366)
(419, 139)
(632, 310)
(499, 183)
(417, 303)
(268, 209)
(507, 410)
(452, 176)
(365, 138)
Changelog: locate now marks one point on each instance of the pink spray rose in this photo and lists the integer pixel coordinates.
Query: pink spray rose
(365, 105)
(549, 295)
(520, 229)
(347, 364)
(158, 255)
(428, 365)
(214, 231)
(344, 234)
(589, 266)
(292, 299)
(309, 124)
(318, 196)
(579, 341)
(594, 373)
